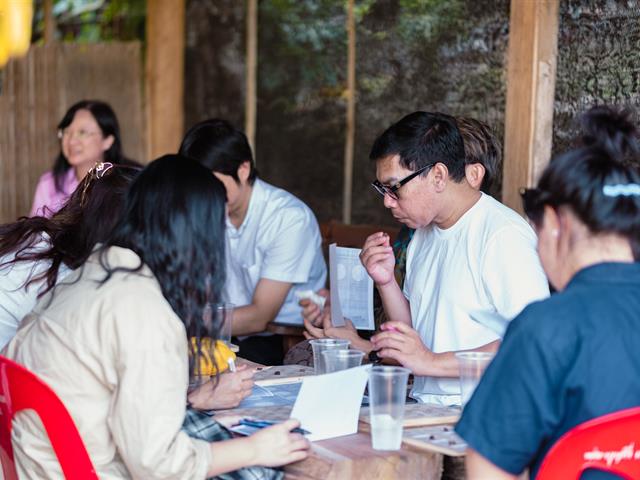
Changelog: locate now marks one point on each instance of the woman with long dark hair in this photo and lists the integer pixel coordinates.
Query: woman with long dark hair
(111, 340)
(574, 356)
(88, 133)
(36, 252)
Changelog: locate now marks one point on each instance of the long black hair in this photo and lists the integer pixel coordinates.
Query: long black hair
(599, 181)
(173, 220)
(86, 219)
(108, 123)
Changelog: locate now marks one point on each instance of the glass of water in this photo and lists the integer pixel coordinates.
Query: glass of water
(387, 394)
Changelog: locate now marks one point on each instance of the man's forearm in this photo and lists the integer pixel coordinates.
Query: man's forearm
(394, 303)
(250, 319)
(445, 364)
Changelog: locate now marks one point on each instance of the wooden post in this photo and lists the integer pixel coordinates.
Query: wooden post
(49, 22)
(251, 74)
(164, 76)
(531, 78)
(351, 116)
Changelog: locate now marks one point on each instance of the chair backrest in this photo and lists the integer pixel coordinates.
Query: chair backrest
(609, 443)
(21, 390)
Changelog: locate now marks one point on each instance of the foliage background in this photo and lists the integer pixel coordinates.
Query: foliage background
(446, 55)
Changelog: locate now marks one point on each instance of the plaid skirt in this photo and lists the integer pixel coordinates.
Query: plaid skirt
(201, 425)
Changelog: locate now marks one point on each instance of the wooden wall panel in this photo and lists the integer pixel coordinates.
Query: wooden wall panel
(36, 92)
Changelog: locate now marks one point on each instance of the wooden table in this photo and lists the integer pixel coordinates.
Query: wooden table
(351, 457)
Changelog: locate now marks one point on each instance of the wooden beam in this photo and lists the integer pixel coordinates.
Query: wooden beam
(49, 22)
(164, 75)
(251, 74)
(351, 116)
(531, 78)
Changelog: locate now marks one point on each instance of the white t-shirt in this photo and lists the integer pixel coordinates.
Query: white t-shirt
(279, 239)
(16, 300)
(464, 284)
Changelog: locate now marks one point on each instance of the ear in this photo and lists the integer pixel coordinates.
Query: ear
(244, 170)
(440, 175)
(474, 174)
(552, 222)
(107, 142)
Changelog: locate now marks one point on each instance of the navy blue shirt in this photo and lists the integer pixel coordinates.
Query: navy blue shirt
(563, 361)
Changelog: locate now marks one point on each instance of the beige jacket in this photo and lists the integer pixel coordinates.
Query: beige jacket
(116, 355)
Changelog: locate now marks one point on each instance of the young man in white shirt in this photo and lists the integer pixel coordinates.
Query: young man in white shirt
(273, 242)
(471, 265)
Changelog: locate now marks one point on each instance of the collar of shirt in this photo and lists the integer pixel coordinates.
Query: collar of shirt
(70, 181)
(257, 194)
(608, 272)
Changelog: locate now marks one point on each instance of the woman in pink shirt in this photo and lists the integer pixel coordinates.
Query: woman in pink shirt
(88, 133)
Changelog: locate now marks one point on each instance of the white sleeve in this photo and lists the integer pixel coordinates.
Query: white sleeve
(17, 299)
(294, 246)
(511, 271)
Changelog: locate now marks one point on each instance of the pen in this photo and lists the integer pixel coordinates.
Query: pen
(247, 422)
(232, 365)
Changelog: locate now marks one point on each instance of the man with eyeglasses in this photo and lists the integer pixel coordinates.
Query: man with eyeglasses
(471, 265)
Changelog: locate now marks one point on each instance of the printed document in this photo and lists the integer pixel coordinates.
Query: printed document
(351, 288)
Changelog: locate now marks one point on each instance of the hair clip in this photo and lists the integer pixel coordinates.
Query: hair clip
(621, 190)
(101, 168)
(97, 172)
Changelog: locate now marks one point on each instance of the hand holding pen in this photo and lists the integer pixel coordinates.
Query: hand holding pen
(250, 422)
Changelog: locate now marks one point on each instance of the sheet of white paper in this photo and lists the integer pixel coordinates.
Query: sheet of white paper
(328, 405)
(351, 288)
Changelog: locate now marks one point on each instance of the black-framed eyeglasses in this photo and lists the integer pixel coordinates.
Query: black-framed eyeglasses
(392, 190)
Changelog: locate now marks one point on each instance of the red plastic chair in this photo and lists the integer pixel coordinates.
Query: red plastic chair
(610, 443)
(20, 390)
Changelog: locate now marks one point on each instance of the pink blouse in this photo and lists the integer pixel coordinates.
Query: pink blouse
(47, 200)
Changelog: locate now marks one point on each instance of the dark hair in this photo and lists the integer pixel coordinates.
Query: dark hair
(173, 219)
(220, 147)
(108, 123)
(86, 219)
(612, 130)
(480, 146)
(422, 139)
(592, 181)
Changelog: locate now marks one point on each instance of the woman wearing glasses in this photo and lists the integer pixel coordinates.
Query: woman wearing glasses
(574, 356)
(88, 133)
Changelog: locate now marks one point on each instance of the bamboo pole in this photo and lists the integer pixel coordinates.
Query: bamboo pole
(351, 116)
(251, 74)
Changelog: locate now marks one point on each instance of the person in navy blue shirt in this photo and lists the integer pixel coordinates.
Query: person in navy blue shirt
(573, 356)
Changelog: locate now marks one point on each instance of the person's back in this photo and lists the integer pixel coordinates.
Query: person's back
(112, 340)
(96, 332)
(572, 357)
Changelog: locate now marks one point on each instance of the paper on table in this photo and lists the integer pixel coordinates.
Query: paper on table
(329, 405)
(351, 288)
